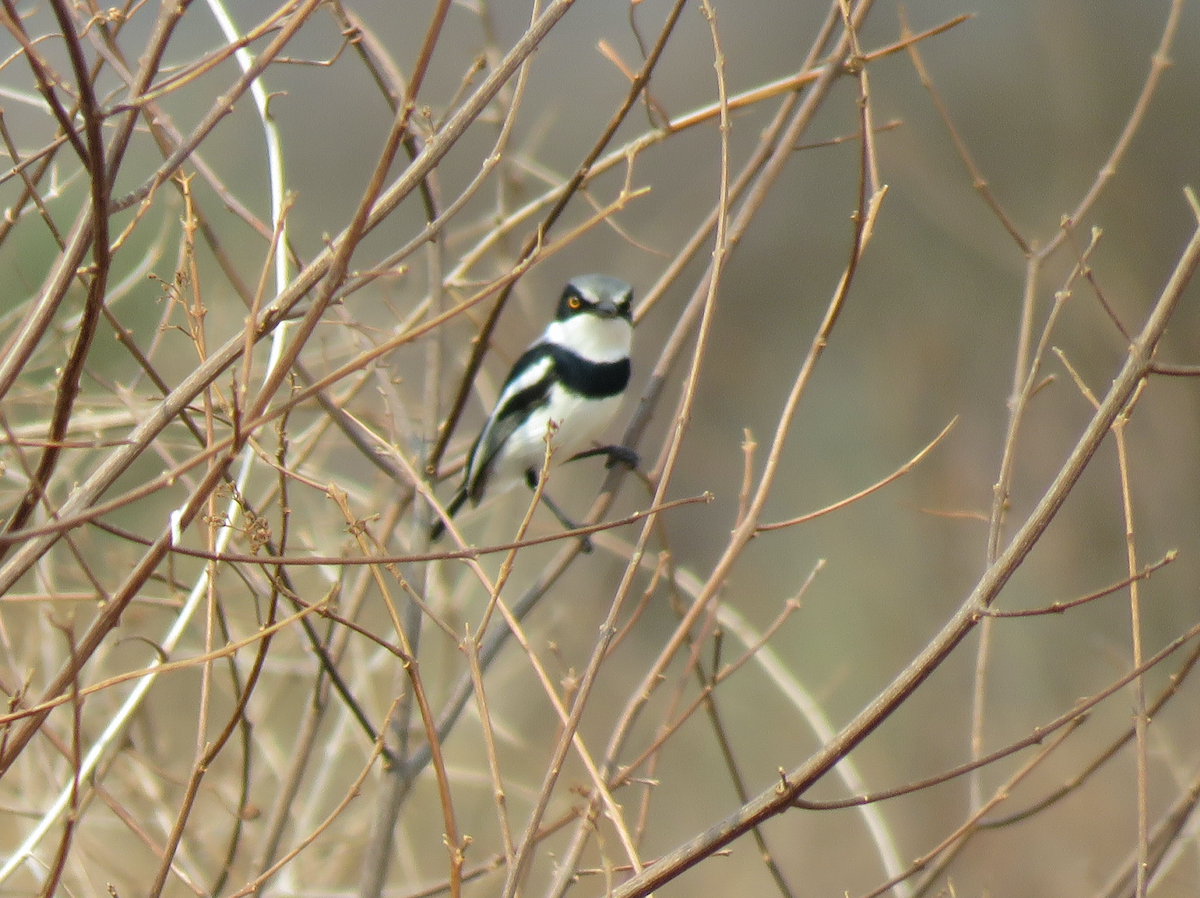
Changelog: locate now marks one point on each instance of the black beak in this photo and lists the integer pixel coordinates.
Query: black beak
(606, 308)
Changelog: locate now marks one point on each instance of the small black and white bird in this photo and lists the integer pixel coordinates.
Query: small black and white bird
(572, 379)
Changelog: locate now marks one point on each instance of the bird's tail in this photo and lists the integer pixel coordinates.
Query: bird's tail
(439, 526)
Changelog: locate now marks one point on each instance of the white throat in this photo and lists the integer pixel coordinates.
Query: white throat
(595, 339)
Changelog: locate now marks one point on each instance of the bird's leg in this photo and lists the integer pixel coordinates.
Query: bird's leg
(617, 455)
(531, 478)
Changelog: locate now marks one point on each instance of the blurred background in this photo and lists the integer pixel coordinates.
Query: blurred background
(1038, 92)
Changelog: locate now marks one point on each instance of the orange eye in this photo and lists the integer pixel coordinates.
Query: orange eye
(575, 302)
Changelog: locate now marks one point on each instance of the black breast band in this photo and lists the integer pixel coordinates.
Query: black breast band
(595, 380)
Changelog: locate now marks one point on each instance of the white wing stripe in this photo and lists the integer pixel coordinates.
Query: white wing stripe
(523, 380)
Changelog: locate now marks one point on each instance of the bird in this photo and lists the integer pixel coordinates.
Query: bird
(569, 382)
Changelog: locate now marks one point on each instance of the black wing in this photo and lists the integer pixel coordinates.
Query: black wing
(526, 390)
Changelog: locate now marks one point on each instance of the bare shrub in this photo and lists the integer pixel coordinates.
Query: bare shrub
(914, 402)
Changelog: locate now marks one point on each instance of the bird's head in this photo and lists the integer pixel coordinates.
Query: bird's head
(596, 294)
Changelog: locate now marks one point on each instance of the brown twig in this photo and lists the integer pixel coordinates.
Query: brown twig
(795, 783)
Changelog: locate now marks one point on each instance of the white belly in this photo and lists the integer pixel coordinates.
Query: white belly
(580, 422)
